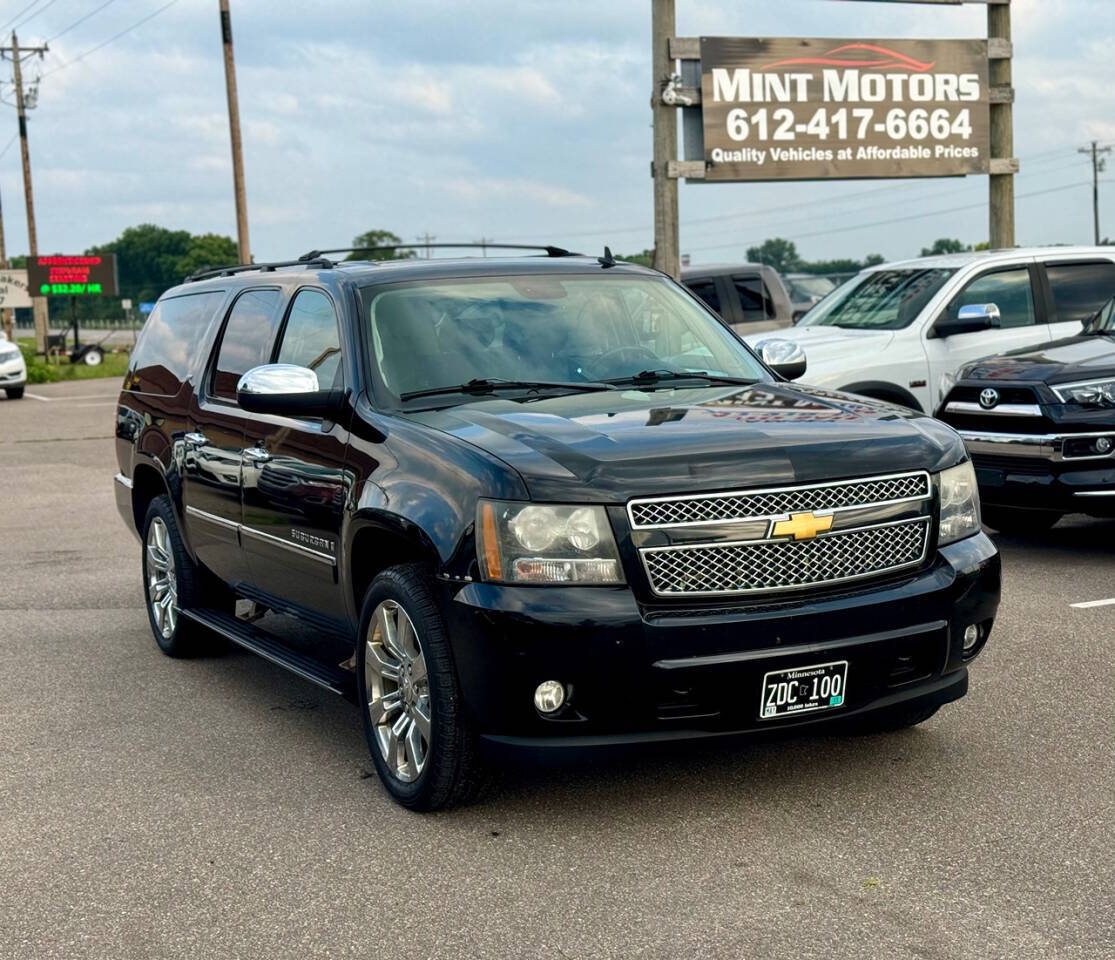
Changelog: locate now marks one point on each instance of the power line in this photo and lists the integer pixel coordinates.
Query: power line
(41, 10)
(4, 25)
(114, 37)
(80, 20)
(8, 145)
(915, 216)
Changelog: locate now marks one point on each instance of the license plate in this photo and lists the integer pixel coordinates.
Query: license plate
(819, 686)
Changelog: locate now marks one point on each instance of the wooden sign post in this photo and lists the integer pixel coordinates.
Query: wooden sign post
(786, 108)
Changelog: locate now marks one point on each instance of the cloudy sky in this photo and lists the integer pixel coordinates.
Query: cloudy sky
(510, 119)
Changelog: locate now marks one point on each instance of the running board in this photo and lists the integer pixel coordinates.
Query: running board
(268, 646)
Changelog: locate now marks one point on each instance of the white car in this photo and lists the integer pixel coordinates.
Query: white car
(900, 331)
(13, 371)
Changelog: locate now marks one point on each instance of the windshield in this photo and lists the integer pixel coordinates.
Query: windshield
(880, 300)
(808, 288)
(564, 329)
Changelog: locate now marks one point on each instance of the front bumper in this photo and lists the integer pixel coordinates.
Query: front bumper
(676, 671)
(1041, 471)
(13, 373)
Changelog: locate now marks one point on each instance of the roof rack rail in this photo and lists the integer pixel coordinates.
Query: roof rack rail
(230, 269)
(549, 250)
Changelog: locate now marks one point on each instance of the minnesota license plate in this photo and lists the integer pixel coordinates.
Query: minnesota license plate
(819, 686)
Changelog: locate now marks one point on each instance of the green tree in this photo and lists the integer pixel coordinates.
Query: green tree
(379, 238)
(944, 245)
(207, 250)
(148, 259)
(776, 252)
(646, 258)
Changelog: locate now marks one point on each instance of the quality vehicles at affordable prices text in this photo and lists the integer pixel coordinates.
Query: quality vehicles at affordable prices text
(539, 501)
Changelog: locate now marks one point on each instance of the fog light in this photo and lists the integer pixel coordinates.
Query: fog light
(549, 696)
(1103, 445)
(971, 638)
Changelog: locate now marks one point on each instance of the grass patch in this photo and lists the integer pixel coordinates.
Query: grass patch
(41, 370)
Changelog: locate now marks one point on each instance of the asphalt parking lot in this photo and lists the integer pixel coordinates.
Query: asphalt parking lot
(222, 807)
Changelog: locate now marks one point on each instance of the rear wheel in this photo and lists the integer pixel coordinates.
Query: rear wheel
(14, 393)
(421, 742)
(1018, 521)
(171, 583)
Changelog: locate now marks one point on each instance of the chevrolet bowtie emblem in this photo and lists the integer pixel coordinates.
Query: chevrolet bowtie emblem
(801, 526)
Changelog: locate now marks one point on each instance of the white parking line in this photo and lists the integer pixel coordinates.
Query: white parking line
(80, 396)
(1094, 603)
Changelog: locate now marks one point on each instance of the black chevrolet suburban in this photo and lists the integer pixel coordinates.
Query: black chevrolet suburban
(1040, 426)
(539, 500)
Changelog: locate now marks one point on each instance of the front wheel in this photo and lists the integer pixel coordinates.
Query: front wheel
(421, 743)
(1012, 520)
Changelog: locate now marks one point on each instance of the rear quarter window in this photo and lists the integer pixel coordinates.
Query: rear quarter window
(169, 342)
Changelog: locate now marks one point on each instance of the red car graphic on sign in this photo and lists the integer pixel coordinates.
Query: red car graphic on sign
(858, 55)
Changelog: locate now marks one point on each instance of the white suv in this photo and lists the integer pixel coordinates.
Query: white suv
(900, 331)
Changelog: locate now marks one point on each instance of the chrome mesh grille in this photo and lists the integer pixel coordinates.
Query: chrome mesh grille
(785, 564)
(729, 507)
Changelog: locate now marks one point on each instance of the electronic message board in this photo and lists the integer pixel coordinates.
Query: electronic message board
(72, 276)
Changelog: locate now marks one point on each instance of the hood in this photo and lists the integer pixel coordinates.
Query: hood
(1062, 361)
(610, 446)
(824, 344)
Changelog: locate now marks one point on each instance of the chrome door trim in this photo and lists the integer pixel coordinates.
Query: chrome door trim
(1094, 493)
(287, 545)
(212, 518)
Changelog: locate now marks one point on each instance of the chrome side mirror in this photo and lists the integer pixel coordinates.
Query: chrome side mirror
(286, 390)
(986, 314)
(784, 357)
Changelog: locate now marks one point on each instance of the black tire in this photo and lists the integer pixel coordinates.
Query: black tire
(1012, 520)
(186, 639)
(890, 721)
(452, 773)
(14, 393)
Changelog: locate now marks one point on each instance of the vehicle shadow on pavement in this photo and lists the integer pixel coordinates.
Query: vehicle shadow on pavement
(1077, 536)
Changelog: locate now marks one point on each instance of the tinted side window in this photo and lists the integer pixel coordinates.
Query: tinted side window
(706, 290)
(169, 342)
(754, 299)
(247, 338)
(1080, 289)
(1009, 290)
(311, 339)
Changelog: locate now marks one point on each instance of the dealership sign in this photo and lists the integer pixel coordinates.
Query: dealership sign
(13, 289)
(807, 109)
(72, 276)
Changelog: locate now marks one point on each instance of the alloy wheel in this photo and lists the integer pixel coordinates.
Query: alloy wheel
(162, 584)
(398, 691)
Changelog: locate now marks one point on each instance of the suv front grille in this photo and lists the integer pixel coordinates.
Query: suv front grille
(758, 504)
(761, 565)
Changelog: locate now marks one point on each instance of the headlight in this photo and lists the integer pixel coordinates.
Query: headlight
(545, 543)
(8, 351)
(1096, 393)
(959, 503)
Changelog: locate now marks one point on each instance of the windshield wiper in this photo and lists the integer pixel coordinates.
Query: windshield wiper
(485, 385)
(651, 377)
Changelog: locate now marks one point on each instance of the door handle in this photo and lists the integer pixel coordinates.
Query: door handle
(257, 455)
(195, 439)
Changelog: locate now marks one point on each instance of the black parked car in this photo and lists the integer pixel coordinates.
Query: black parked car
(1040, 426)
(539, 501)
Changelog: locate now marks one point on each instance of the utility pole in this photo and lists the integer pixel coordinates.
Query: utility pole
(662, 24)
(6, 313)
(1000, 185)
(427, 238)
(1098, 164)
(234, 131)
(38, 303)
